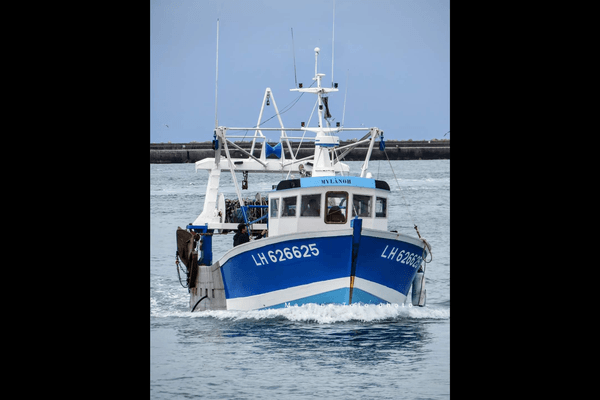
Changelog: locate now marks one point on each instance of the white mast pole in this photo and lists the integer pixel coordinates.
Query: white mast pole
(262, 108)
(283, 133)
(217, 77)
(345, 94)
(318, 79)
(332, 42)
(316, 60)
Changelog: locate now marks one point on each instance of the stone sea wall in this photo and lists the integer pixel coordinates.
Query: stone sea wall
(167, 153)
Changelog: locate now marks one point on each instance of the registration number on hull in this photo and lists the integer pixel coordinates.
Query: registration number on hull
(404, 257)
(287, 253)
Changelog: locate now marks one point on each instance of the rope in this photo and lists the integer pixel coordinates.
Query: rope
(198, 302)
(400, 189)
(426, 244)
(178, 274)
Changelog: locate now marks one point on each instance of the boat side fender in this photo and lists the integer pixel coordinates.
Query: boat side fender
(419, 293)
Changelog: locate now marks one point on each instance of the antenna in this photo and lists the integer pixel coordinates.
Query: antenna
(317, 78)
(217, 77)
(332, 42)
(294, 52)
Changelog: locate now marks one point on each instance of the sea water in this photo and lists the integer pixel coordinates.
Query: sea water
(393, 351)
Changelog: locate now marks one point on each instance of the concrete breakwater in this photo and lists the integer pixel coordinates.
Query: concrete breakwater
(171, 153)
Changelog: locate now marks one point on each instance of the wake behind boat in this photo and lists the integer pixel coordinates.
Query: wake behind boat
(325, 233)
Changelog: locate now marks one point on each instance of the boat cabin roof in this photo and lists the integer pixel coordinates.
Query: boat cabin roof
(333, 181)
(327, 203)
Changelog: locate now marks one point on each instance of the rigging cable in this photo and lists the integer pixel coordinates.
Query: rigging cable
(345, 94)
(285, 109)
(178, 275)
(308, 123)
(399, 189)
(426, 244)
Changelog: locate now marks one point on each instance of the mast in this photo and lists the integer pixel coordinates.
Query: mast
(217, 77)
(324, 140)
(318, 79)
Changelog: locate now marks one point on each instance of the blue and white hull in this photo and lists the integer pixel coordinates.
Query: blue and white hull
(302, 268)
(328, 238)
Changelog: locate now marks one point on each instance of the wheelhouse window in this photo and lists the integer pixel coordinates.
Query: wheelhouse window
(288, 207)
(274, 208)
(336, 207)
(361, 205)
(381, 207)
(311, 205)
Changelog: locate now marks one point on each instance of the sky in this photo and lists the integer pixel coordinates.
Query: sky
(391, 61)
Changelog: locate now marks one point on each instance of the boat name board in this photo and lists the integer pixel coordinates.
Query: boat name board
(287, 253)
(405, 257)
(335, 181)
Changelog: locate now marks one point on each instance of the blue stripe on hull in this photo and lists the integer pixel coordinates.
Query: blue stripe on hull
(339, 296)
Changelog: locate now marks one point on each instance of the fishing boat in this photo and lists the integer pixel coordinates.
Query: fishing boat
(323, 234)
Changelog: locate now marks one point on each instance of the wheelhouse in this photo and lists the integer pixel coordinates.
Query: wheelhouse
(327, 203)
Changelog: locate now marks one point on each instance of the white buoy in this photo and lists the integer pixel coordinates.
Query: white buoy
(419, 293)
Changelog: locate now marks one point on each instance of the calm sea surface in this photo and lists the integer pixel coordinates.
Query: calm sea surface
(314, 351)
